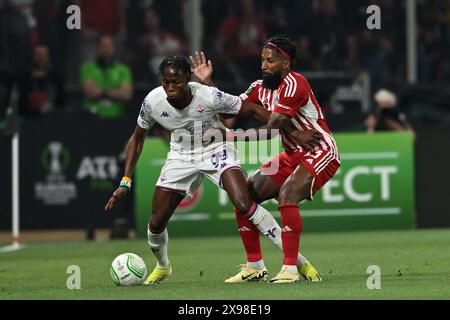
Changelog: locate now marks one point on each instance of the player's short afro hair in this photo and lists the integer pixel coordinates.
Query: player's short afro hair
(283, 42)
(177, 63)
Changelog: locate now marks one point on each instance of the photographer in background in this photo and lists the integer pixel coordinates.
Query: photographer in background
(386, 116)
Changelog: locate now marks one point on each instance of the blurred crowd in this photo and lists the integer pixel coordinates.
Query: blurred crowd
(112, 61)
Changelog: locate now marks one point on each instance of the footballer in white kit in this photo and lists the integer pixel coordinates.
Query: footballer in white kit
(190, 157)
(191, 112)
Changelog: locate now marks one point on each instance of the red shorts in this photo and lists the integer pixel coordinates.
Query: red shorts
(283, 165)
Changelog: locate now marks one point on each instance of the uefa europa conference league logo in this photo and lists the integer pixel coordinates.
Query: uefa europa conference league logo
(99, 170)
(55, 158)
(55, 190)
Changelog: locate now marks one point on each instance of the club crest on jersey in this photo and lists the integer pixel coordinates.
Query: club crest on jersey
(164, 114)
(283, 106)
(200, 108)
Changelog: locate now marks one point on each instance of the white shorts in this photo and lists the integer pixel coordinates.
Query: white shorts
(184, 173)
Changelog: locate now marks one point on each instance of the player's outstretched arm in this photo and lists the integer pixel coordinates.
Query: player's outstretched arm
(133, 149)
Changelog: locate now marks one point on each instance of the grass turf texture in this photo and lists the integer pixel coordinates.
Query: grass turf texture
(414, 265)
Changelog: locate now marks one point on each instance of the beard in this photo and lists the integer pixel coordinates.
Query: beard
(272, 81)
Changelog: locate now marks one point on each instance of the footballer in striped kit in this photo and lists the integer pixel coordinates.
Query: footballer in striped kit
(310, 159)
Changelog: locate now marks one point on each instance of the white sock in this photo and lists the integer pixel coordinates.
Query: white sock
(292, 269)
(268, 226)
(301, 260)
(257, 264)
(158, 244)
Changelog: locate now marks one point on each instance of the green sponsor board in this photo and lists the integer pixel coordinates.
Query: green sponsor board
(373, 189)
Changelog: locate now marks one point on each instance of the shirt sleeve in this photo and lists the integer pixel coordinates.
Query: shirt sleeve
(224, 102)
(293, 97)
(145, 119)
(251, 95)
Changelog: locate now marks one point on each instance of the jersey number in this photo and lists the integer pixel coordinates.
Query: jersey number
(219, 159)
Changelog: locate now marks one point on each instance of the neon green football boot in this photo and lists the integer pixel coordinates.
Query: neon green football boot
(158, 275)
(309, 273)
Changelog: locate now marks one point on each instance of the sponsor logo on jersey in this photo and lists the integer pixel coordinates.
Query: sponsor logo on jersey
(282, 106)
(200, 108)
(164, 114)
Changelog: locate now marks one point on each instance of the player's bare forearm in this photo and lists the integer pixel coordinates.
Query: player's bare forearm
(278, 121)
(134, 149)
(255, 110)
(308, 139)
(254, 134)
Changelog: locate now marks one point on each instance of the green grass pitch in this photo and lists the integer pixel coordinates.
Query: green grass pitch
(414, 265)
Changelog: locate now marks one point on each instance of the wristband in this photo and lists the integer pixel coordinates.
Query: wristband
(126, 182)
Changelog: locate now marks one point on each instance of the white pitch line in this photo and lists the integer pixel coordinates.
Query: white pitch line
(369, 155)
(190, 216)
(331, 212)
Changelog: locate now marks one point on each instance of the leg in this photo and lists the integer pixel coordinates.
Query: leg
(234, 183)
(164, 204)
(244, 206)
(295, 189)
(263, 187)
(250, 217)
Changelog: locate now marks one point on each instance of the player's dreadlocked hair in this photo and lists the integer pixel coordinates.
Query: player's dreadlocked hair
(177, 63)
(284, 46)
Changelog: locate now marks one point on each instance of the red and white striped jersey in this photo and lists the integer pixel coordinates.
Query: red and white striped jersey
(295, 98)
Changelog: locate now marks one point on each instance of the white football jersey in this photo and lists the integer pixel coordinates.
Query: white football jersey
(189, 124)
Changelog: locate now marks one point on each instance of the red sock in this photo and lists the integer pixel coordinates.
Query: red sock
(290, 233)
(250, 237)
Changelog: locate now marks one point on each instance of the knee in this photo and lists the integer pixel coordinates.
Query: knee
(242, 204)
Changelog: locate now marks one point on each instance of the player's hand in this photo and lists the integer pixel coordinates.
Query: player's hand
(118, 194)
(201, 68)
(308, 139)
